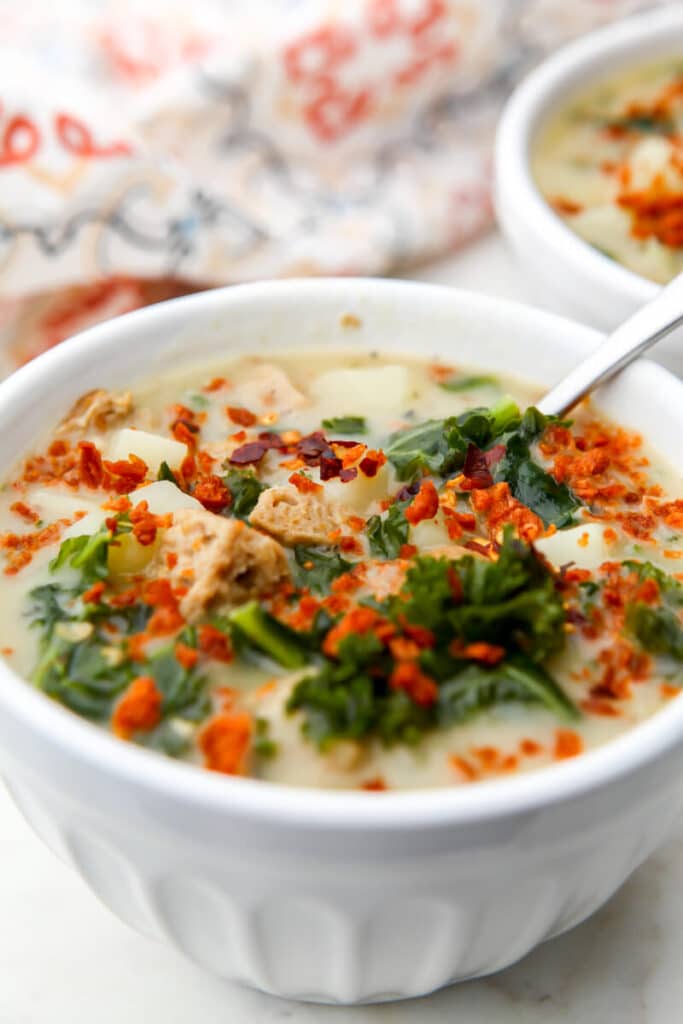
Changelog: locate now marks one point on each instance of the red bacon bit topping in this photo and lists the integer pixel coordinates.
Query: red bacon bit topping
(125, 475)
(212, 493)
(372, 463)
(358, 620)
(216, 384)
(146, 523)
(304, 484)
(225, 742)
(214, 644)
(424, 505)
(24, 546)
(139, 709)
(243, 417)
(498, 507)
(185, 432)
(28, 514)
(185, 655)
(94, 594)
(90, 467)
(376, 785)
(409, 677)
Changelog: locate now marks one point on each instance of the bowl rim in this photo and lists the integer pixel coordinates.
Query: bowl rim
(571, 69)
(316, 809)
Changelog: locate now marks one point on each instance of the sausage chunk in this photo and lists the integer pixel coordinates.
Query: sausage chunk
(295, 518)
(221, 562)
(99, 409)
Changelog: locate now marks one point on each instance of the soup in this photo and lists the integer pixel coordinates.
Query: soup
(344, 571)
(611, 165)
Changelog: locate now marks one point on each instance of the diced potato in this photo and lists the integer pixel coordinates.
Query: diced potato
(362, 392)
(127, 556)
(163, 496)
(585, 546)
(151, 448)
(52, 503)
(430, 533)
(357, 495)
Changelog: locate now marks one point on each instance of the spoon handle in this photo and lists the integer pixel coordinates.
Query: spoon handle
(637, 334)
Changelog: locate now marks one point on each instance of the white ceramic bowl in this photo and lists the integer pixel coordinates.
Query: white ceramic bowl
(330, 895)
(586, 282)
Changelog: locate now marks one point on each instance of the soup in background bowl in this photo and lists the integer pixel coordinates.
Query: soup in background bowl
(611, 165)
(335, 894)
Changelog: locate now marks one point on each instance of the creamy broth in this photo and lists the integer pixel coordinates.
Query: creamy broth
(611, 165)
(250, 555)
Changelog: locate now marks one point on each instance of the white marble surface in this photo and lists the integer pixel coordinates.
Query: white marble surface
(64, 959)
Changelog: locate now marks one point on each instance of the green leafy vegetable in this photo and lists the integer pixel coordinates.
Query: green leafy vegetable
(388, 533)
(254, 627)
(318, 566)
(87, 554)
(166, 473)
(528, 481)
(245, 488)
(658, 630)
(469, 383)
(346, 424)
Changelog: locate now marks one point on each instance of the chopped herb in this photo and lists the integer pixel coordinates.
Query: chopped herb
(87, 554)
(658, 628)
(198, 401)
(166, 473)
(469, 383)
(318, 566)
(388, 533)
(346, 425)
(252, 626)
(528, 481)
(245, 488)
(263, 745)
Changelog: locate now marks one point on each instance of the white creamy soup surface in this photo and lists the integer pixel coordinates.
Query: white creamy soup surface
(611, 164)
(346, 571)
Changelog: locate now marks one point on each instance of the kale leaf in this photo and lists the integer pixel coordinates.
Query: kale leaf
(528, 482)
(318, 566)
(87, 554)
(469, 383)
(346, 425)
(388, 533)
(245, 489)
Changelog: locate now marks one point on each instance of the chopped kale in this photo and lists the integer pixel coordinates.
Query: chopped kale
(346, 424)
(253, 628)
(658, 629)
(87, 554)
(318, 566)
(245, 488)
(389, 532)
(528, 482)
(166, 473)
(469, 383)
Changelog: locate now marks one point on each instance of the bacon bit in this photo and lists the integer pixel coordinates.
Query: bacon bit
(188, 470)
(610, 535)
(226, 741)
(467, 770)
(249, 453)
(348, 582)
(668, 691)
(304, 484)
(7, 651)
(530, 747)
(486, 654)
(372, 463)
(403, 649)
(596, 706)
(583, 540)
(347, 475)
(165, 621)
(146, 523)
(409, 677)
(422, 636)
(567, 744)
(243, 417)
(475, 470)
(487, 756)
(498, 507)
(185, 433)
(348, 453)
(90, 467)
(121, 504)
(171, 560)
(28, 514)
(125, 598)
(638, 524)
(407, 551)
(58, 449)
(185, 655)
(356, 523)
(350, 545)
(158, 594)
(214, 644)
(439, 372)
(424, 505)
(124, 475)
(216, 384)
(24, 546)
(359, 620)
(137, 646)
(265, 689)
(94, 594)
(212, 493)
(139, 709)
(376, 785)
(566, 206)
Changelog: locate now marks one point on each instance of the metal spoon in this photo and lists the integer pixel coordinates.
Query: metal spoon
(636, 335)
